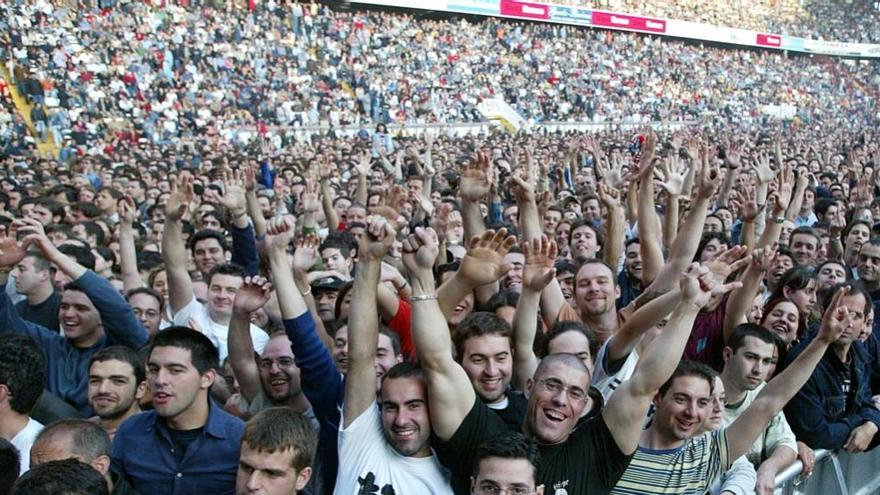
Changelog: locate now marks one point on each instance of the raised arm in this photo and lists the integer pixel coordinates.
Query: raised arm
(450, 394)
(645, 318)
(363, 171)
(363, 322)
(476, 180)
(626, 410)
(483, 264)
(688, 239)
(253, 204)
(527, 208)
(673, 174)
(537, 273)
(614, 225)
(741, 434)
(780, 198)
(740, 300)
(327, 198)
(180, 290)
(233, 198)
(131, 277)
(253, 295)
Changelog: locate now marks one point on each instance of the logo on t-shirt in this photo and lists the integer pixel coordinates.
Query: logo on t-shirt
(369, 486)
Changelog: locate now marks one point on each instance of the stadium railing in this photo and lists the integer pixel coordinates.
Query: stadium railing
(836, 473)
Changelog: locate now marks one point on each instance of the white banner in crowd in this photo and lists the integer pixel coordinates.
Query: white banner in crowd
(537, 10)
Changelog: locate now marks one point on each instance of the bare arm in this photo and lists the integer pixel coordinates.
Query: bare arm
(648, 316)
(480, 266)
(537, 273)
(253, 295)
(614, 225)
(253, 204)
(450, 393)
(626, 409)
(363, 324)
(741, 299)
(131, 277)
(180, 291)
(649, 229)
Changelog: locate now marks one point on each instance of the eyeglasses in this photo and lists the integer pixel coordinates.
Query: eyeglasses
(490, 488)
(555, 386)
(284, 362)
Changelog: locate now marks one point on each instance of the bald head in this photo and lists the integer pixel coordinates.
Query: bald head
(71, 438)
(564, 358)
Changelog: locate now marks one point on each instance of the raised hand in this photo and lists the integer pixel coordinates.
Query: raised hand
(836, 319)
(362, 166)
(311, 202)
(253, 294)
(763, 258)
(279, 233)
(733, 155)
(609, 197)
(761, 165)
(748, 202)
(782, 186)
(377, 240)
(484, 261)
(420, 250)
(698, 284)
(728, 262)
(181, 196)
(233, 198)
(538, 270)
(12, 251)
(709, 177)
(521, 187)
(250, 177)
(306, 254)
(34, 234)
(128, 212)
(671, 173)
(476, 178)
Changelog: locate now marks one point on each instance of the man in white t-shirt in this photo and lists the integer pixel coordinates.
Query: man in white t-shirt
(22, 378)
(212, 317)
(382, 451)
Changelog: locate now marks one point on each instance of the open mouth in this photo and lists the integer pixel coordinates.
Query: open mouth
(554, 416)
(161, 398)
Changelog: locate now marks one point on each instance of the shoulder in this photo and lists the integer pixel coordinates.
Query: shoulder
(137, 425)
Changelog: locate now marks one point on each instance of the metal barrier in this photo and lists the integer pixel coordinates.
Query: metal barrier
(836, 473)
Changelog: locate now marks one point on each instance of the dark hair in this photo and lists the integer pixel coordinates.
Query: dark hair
(87, 439)
(54, 207)
(564, 266)
(561, 327)
(404, 370)
(708, 237)
(856, 288)
(280, 429)
(393, 337)
(805, 230)
(738, 337)
(342, 246)
(124, 354)
(207, 234)
(70, 193)
(596, 261)
(225, 269)
(23, 371)
(847, 272)
(340, 298)
(501, 299)
(822, 206)
(94, 229)
(148, 291)
(775, 301)
(10, 465)
(690, 368)
(80, 254)
(40, 261)
(796, 278)
(89, 210)
(65, 477)
(203, 354)
(478, 324)
(583, 222)
(509, 445)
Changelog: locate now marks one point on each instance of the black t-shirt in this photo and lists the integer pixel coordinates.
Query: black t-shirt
(44, 314)
(182, 439)
(588, 463)
(515, 413)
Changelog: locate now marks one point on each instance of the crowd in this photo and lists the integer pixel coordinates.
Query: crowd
(189, 310)
(172, 76)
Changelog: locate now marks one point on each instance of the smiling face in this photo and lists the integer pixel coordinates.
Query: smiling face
(805, 248)
(113, 388)
(595, 289)
(783, 319)
(405, 420)
(221, 293)
(278, 372)
(633, 261)
(551, 412)
(680, 412)
(488, 362)
(584, 243)
(79, 318)
(207, 254)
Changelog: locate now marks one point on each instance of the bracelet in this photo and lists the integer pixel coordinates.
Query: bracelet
(423, 297)
(778, 220)
(304, 294)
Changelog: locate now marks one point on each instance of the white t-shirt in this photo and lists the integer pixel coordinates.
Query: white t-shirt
(219, 334)
(367, 464)
(23, 441)
(607, 382)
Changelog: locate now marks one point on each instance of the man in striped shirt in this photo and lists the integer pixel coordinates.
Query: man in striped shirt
(672, 459)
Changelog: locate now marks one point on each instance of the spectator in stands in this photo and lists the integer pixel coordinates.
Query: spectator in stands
(187, 443)
(277, 452)
(834, 409)
(116, 386)
(9, 466)
(81, 440)
(509, 462)
(22, 378)
(92, 313)
(33, 279)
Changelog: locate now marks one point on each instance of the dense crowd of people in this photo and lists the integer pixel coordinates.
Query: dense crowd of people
(171, 75)
(192, 307)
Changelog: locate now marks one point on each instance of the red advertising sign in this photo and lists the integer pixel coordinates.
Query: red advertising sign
(769, 40)
(525, 9)
(631, 22)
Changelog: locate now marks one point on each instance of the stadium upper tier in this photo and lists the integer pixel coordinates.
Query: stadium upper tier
(168, 72)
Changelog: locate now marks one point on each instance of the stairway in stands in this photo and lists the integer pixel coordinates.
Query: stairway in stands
(24, 108)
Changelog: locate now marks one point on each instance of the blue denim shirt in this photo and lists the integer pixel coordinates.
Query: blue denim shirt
(144, 454)
(820, 414)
